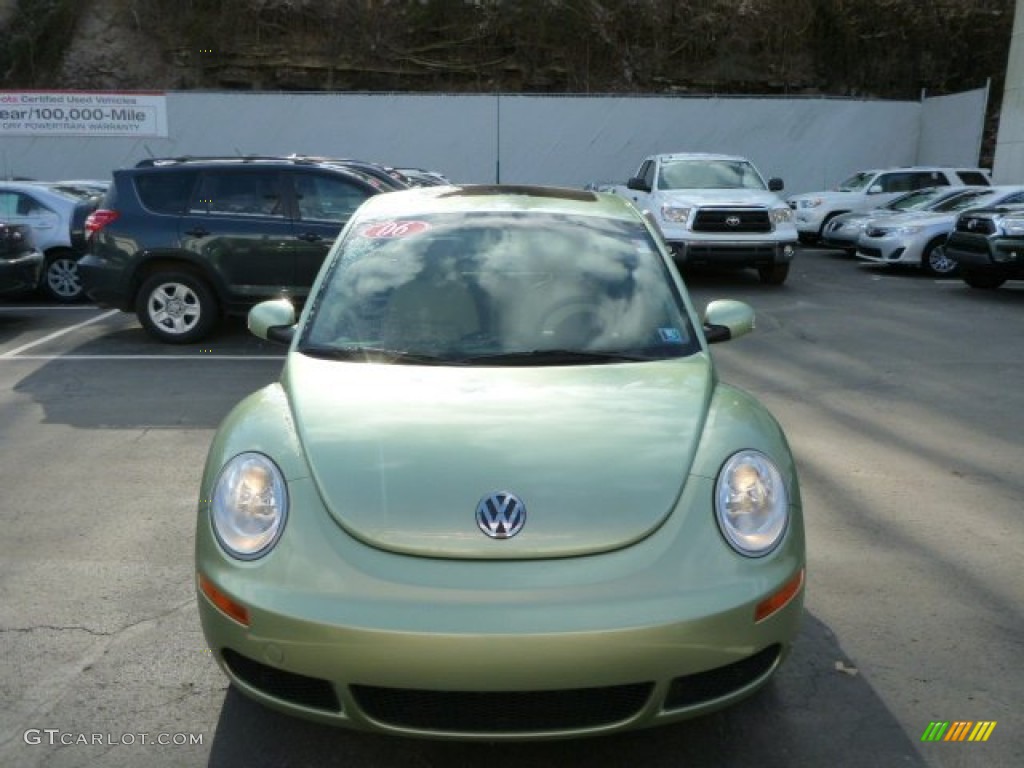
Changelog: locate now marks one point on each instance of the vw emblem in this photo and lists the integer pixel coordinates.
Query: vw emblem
(733, 221)
(972, 223)
(501, 515)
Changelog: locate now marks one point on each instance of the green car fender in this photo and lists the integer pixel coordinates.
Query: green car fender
(262, 422)
(737, 421)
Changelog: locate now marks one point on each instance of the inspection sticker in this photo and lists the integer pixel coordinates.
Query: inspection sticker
(670, 335)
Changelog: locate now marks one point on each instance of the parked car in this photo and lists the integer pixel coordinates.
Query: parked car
(872, 188)
(21, 263)
(426, 489)
(919, 238)
(989, 244)
(716, 210)
(419, 177)
(56, 218)
(843, 231)
(182, 242)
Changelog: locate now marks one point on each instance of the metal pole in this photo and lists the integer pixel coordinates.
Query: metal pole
(497, 154)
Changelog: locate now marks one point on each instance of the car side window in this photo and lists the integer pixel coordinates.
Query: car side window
(8, 204)
(922, 179)
(973, 178)
(326, 198)
(16, 204)
(1013, 199)
(166, 192)
(239, 193)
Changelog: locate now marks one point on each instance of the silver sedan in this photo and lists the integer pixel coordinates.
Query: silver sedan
(919, 238)
(843, 231)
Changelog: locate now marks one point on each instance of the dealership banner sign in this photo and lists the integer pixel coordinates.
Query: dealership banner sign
(82, 113)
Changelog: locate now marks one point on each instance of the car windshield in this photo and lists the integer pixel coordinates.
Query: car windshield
(498, 289)
(920, 199)
(709, 174)
(966, 200)
(857, 182)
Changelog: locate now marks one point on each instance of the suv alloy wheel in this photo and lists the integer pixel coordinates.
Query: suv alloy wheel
(176, 307)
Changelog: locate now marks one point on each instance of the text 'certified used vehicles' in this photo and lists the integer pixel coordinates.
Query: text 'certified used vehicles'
(184, 242)
(499, 491)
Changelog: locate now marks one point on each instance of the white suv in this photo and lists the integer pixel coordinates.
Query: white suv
(871, 189)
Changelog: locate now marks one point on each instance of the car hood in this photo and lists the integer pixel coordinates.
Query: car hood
(704, 197)
(402, 455)
(916, 220)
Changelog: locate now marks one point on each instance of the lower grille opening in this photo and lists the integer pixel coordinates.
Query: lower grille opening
(502, 711)
(702, 687)
(287, 686)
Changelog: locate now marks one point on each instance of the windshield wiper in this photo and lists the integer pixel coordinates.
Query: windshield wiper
(555, 357)
(370, 354)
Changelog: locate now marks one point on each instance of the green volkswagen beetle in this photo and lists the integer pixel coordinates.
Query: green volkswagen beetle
(499, 491)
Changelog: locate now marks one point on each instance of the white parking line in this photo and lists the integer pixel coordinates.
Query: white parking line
(276, 358)
(21, 308)
(58, 334)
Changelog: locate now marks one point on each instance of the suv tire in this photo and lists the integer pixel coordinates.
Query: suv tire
(176, 307)
(773, 274)
(60, 277)
(983, 280)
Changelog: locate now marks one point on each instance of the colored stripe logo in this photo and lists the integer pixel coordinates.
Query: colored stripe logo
(958, 730)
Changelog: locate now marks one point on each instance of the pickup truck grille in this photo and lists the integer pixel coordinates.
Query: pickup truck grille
(732, 220)
(976, 225)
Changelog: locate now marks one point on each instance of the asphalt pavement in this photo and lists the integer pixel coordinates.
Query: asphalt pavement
(902, 399)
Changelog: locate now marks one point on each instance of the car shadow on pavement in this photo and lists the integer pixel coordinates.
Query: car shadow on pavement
(123, 380)
(818, 711)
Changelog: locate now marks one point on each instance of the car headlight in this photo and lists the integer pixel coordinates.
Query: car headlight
(675, 214)
(751, 503)
(781, 215)
(1013, 227)
(809, 202)
(249, 505)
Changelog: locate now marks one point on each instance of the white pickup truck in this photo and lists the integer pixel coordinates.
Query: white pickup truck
(716, 210)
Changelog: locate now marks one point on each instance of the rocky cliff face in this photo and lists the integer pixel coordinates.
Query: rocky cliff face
(110, 50)
(881, 48)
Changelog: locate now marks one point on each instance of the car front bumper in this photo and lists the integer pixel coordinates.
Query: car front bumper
(21, 274)
(1000, 253)
(342, 633)
(808, 221)
(732, 253)
(891, 249)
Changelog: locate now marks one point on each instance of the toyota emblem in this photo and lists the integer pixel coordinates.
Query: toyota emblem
(733, 221)
(501, 515)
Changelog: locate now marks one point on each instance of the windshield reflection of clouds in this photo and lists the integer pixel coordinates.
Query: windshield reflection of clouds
(709, 174)
(498, 283)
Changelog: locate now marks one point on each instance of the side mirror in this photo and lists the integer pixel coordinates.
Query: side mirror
(775, 184)
(638, 184)
(875, 189)
(273, 320)
(725, 319)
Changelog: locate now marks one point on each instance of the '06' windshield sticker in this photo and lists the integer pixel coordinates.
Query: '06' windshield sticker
(387, 229)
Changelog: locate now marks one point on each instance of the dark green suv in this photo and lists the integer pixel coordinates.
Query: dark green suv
(183, 242)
